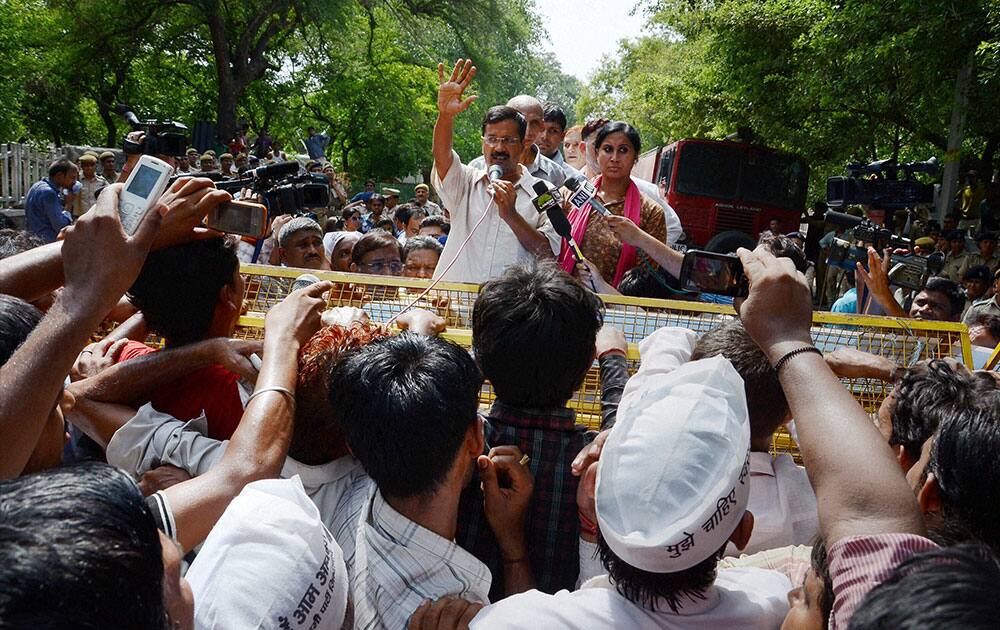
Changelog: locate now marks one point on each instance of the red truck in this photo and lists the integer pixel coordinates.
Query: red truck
(727, 192)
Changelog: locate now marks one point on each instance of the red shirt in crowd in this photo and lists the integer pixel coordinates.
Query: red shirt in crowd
(212, 390)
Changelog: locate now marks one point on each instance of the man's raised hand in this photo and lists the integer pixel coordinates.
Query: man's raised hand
(450, 91)
(100, 261)
(778, 311)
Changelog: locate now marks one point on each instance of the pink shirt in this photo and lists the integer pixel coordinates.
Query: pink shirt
(860, 563)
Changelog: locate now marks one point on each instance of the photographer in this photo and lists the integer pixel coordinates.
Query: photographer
(940, 300)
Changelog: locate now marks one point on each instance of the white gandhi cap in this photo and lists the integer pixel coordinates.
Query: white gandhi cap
(270, 563)
(673, 478)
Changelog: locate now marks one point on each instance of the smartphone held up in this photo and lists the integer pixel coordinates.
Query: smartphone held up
(708, 272)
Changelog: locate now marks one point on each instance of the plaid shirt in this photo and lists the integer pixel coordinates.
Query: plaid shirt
(552, 439)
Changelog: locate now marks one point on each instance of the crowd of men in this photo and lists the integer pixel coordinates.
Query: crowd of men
(340, 473)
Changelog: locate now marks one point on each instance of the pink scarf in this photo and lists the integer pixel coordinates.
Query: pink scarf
(579, 218)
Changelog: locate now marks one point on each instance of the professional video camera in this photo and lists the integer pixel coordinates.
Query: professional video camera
(908, 270)
(879, 185)
(162, 137)
(280, 185)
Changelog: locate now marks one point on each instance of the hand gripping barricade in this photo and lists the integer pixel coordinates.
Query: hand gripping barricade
(903, 341)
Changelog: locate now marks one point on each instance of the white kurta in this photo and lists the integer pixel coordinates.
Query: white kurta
(493, 247)
(740, 598)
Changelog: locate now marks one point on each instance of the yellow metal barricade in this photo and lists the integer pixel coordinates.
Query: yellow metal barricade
(903, 341)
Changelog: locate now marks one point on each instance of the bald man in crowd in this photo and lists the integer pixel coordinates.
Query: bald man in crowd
(531, 157)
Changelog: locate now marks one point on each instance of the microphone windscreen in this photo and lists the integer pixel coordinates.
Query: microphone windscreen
(304, 281)
(495, 172)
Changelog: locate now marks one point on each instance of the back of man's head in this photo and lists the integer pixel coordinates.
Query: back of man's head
(79, 549)
(533, 333)
(924, 395)
(766, 400)
(406, 404)
(967, 471)
(953, 587)
(17, 320)
(317, 436)
(179, 287)
(783, 247)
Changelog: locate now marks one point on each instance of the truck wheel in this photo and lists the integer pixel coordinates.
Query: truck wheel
(728, 242)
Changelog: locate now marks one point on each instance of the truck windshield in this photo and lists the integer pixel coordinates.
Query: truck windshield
(732, 172)
(774, 179)
(709, 170)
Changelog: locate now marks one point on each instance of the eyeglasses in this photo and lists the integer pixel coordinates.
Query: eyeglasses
(379, 266)
(494, 141)
(418, 269)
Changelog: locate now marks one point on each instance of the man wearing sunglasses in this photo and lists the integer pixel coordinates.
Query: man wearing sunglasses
(512, 230)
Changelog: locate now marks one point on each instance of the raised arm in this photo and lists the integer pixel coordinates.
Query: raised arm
(666, 256)
(450, 104)
(133, 382)
(858, 483)
(259, 446)
(36, 272)
(876, 278)
(33, 377)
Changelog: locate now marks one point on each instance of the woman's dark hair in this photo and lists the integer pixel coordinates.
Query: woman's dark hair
(533, 333)
(647, 589)
(952, 587)
(349, 212)
(79, 549)
(618, 126)
(500, 113)
(17, 320)
(376, 239)
(178, 288)
(592, 126)
(406, 403)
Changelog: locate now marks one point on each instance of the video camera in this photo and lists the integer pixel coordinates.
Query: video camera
(878, 185)
(162, 137)
(909, 271)
(280, 185)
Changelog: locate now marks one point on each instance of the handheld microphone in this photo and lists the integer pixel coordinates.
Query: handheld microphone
(546, 201)
(583, 192)
(495, 172)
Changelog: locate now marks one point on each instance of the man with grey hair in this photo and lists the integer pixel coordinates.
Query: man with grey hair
(537, 164)
(300, 244)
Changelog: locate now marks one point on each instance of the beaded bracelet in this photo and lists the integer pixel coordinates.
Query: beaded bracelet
(781, 362)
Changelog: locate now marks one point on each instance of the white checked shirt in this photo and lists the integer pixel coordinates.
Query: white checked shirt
(399, 564)
(493, 247)
(782, 502)
(339, 488)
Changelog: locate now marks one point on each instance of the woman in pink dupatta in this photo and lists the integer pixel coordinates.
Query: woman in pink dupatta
(617, 145)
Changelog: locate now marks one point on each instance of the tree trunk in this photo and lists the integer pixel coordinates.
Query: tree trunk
(225, 124)
(108, 119)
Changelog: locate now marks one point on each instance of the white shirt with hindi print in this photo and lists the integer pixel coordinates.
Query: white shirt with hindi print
(399, 564)
(740, 598)
(493, 247)
(339, 488)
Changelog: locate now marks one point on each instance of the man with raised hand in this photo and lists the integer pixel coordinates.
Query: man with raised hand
(868, 515)
(512, 230)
